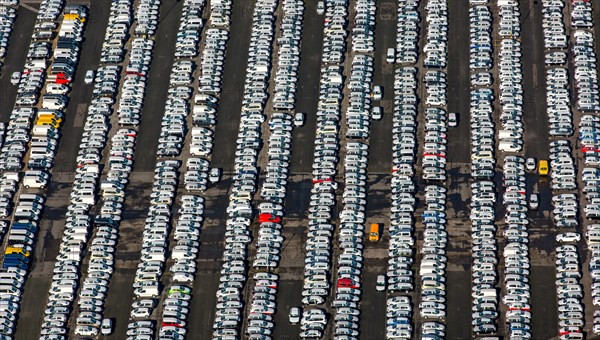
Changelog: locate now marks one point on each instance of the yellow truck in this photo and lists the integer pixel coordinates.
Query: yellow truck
(16, 250)
(375, 232)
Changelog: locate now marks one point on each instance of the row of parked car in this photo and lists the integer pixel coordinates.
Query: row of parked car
(9, 182)
(510, 137)
(274, 188)
(245, 179)
(516, 236)
(117, 32)
(483, 162)
(517, 294)
(407, 32)
(584, 58)
(432, 269)
(569, 290)
(30, 84)
(317, 265)
(78, 225)
(133, 89)
(571, 318)
(352, 217)
(8, 14)
(286, 77)
(173, 125)
(190, 26)
(484, 301)
(17, 259)
(400, 276)
(147, 283)
(94, 287)
(555, 34)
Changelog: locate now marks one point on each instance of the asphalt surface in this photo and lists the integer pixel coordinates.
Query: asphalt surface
(230, 103)
(535, 118)
(14, 61)
(544, 323)
(458, 76)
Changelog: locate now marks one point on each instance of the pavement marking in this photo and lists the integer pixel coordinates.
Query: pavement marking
(33, 9)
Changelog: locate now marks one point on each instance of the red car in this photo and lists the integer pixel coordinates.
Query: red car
(346, 283)
(268, 218)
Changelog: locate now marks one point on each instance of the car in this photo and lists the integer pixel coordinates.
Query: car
(452, 119)
(321, 7)
(295, 315)
(15, 78)
(376, 112)
(380, 283)
(214, 175)
(530, 164)
(299, 119)
(534, 201)
(377, 93)
(568, 237)
(107, 326)
(89, 77)
(390, 56)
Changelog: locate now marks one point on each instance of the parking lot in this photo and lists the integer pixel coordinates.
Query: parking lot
(211, 201)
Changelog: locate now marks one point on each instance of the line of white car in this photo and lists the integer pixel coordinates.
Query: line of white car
(483, 143)
(245, 170)
(190, 26)
(317, 264)
(117, 31)
(400, 277)
(517, 293)
(584, 58)
(136, 77)
(82, 198)
(484, 310)
(286, 77)
(94, 287)
(510, 137)
(432, 269)
(407, 32)
(8, 14)
(352, 216)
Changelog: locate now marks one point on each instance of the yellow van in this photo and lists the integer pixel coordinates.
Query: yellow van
(375, 232)
(543, 168)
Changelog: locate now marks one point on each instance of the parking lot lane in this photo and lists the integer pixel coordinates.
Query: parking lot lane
(543, 302)
(308, 92)
(380, 140)
(158, 84)
(31, 318)
(202, 309)
(373, 305)
(230, 103)
(596, 17)
(14, 61)
(120, 293)
(458, 81)
(535, 118)
(81, 94)
(288, 296)
(459, 301)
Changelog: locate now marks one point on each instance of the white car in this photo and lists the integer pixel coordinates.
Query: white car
(106, 328)
(215, 175)
(295, 315)
(299, 119)
(530, 164)
(15, 78)
(377, 93)
(568, 237)
(89, 77)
